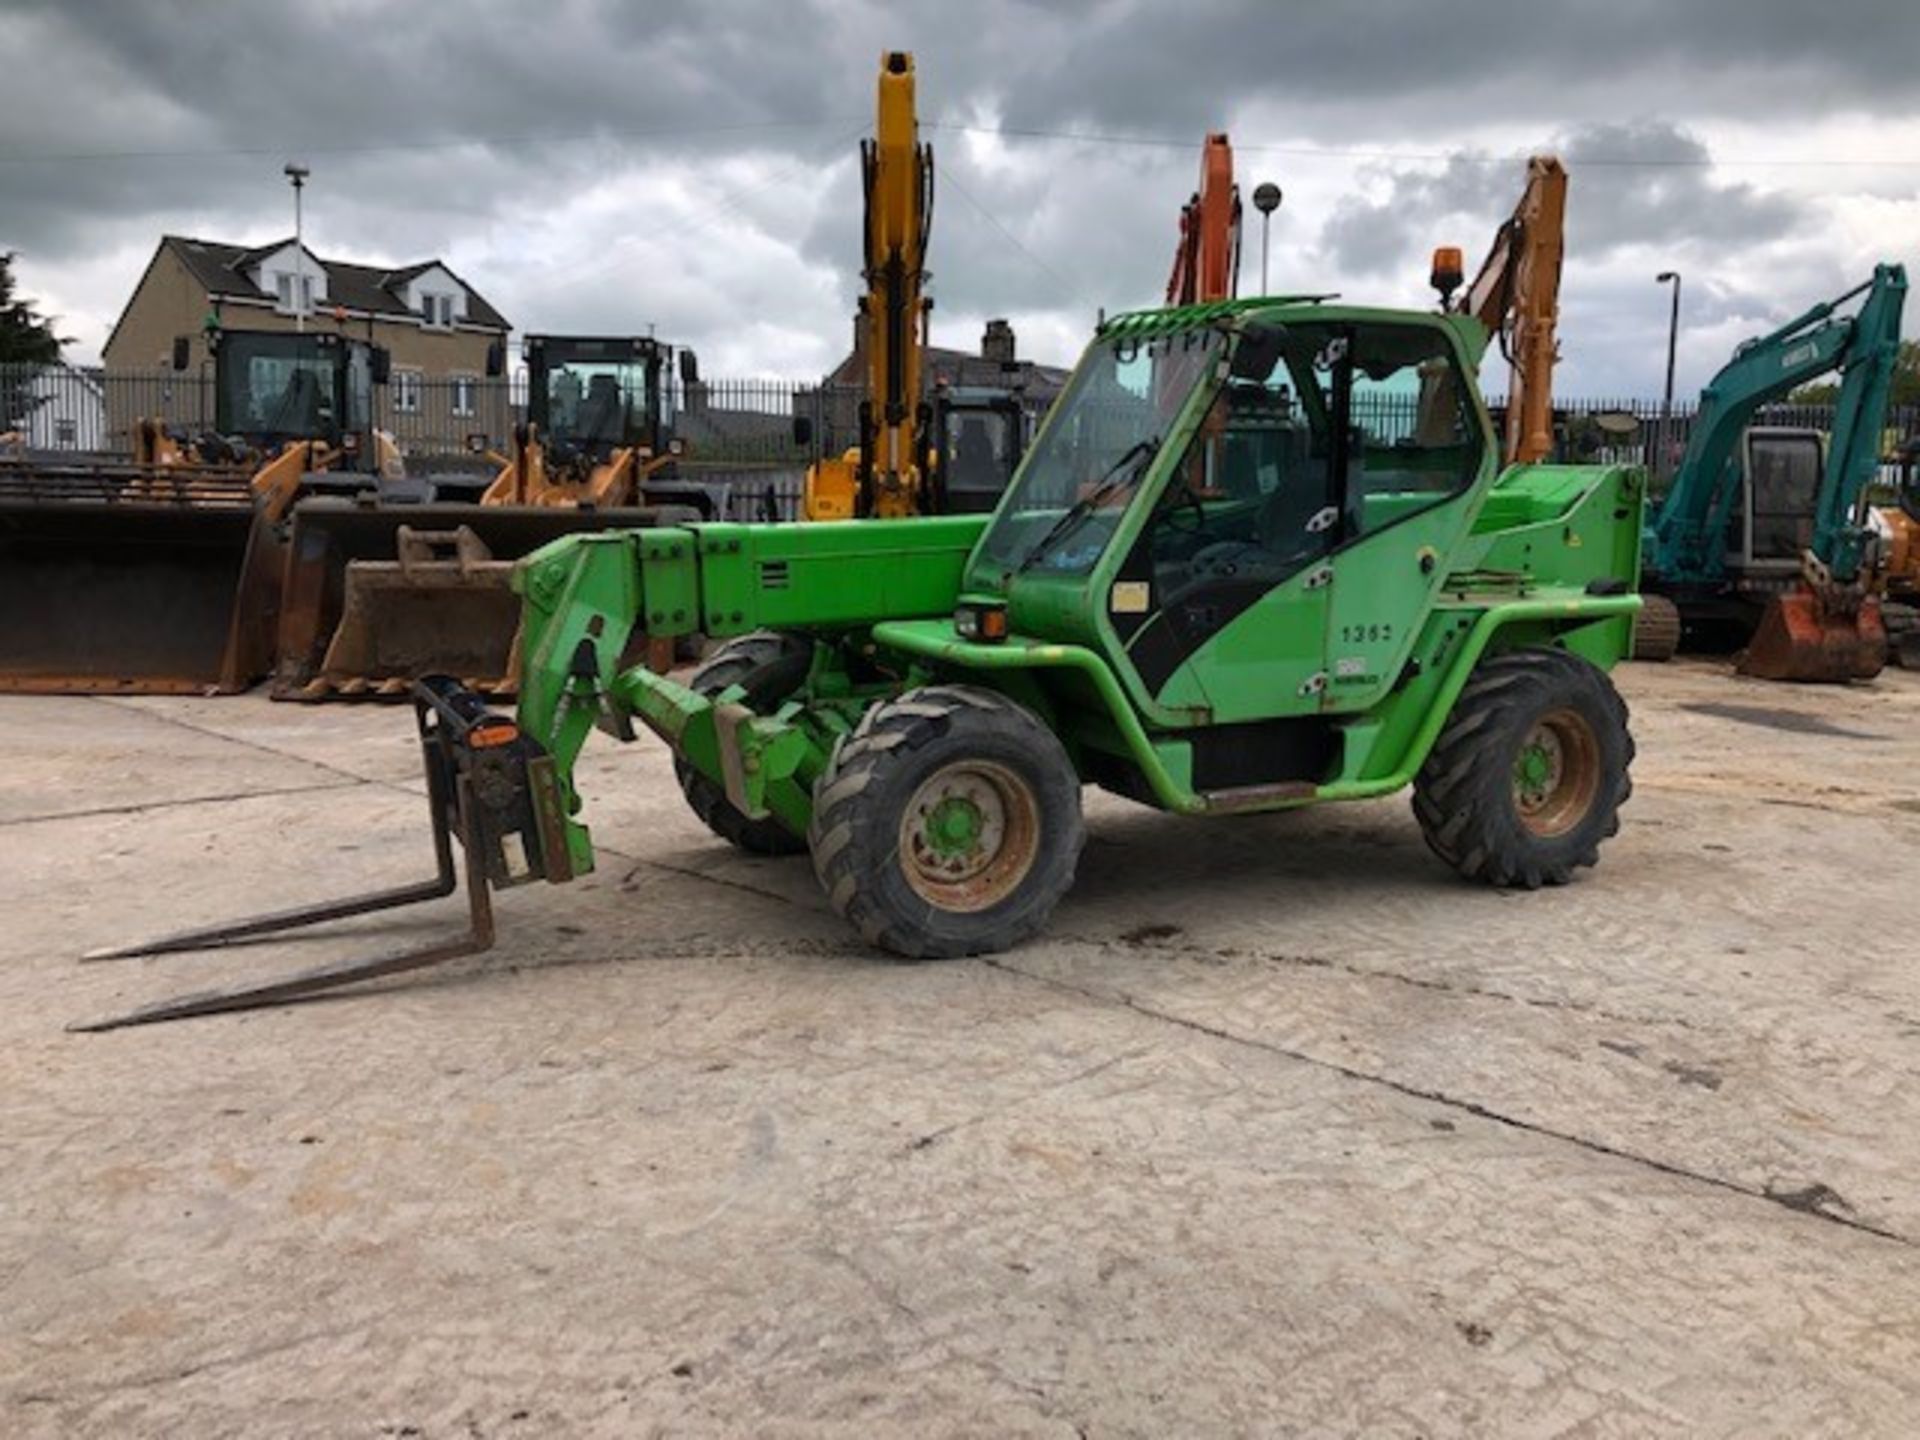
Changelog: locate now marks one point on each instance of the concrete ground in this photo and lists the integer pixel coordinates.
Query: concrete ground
(1282, 1130)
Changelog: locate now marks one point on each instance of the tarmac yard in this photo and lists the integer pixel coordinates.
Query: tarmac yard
(1284, 1129)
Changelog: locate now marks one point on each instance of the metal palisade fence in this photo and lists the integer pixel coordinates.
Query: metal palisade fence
(741, 430)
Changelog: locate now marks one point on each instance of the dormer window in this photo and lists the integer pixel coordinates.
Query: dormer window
(436, 311)
(283, 291)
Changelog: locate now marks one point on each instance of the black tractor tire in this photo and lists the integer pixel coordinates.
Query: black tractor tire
(770, 667)
(1656, 629)
(948, 824)
(1529, 774)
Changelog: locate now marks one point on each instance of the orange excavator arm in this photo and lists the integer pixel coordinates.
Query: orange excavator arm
(1516, 296)
(1206, 263)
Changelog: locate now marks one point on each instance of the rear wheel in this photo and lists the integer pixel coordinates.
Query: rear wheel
(1656, 629)
(949, 824)
(1529, 775)
(768, 667)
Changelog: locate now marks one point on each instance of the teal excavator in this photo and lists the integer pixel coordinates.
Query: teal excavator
(1762, 529)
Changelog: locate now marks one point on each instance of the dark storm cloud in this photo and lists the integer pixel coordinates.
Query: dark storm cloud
(1649, 183)
(431, 126)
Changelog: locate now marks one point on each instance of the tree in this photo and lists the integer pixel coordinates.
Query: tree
(26, 336)
(1905, 389)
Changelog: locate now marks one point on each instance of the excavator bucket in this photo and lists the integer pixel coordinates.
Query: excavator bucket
(379, 596)
(127, 578)
(1805, 636)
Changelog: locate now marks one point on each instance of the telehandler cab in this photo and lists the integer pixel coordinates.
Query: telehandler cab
(1262, 554)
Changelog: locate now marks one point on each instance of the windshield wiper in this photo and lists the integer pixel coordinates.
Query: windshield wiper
(1120, 474)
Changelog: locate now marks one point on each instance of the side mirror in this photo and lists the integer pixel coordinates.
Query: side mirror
(380, 364)
(1258, 351)
(496, 359)
(182, 351)
(689, 368)
(802, 430)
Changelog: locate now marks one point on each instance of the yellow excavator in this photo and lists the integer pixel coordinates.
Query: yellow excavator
(901, 463)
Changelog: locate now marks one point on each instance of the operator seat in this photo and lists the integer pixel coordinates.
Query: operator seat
(301, 407)
(600, 412)
(975, 465)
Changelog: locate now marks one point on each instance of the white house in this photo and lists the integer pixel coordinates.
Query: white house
(64, 409)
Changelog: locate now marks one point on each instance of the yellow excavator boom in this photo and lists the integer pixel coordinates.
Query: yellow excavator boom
(883, 474)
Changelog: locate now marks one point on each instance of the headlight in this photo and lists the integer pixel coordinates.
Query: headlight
(982, 621)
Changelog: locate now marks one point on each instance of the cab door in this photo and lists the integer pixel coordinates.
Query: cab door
(1221, 605)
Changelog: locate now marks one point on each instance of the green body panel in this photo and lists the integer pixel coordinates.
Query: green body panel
(833, 573)
(1372, 642)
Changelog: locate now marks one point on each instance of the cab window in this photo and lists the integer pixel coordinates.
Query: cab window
(1353, 429)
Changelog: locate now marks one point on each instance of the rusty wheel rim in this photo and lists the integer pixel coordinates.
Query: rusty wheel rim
(1556, 775)
(969, 836)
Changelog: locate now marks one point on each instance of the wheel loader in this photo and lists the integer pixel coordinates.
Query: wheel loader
(1262, 554)
(163, 572)
(380, 594)
(1897, 560)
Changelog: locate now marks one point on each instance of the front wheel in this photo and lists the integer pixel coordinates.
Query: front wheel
(949, 824)
(1528, 776)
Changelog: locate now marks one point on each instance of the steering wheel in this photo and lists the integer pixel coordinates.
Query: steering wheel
(1187, 498)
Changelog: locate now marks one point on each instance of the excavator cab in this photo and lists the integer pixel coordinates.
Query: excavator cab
(162, 573)
(1770, 525)
(980, 434)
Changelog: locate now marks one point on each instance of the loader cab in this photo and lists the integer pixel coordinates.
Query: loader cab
(979, 436)
(272, 388)
(1770, 524)
(592, 396)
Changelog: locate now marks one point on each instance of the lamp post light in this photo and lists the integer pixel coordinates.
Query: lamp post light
(297, 175)
(1666, 277)
(1266, 199)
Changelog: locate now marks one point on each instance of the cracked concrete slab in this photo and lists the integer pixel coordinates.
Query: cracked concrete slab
(1282, 1130)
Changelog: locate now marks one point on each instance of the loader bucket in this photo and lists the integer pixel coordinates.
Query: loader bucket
(379, 596)
(444, 605)
(125, 579)
(1804, 636)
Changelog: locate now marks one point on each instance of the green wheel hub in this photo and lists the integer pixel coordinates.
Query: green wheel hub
(954, 826)
(1556, 774)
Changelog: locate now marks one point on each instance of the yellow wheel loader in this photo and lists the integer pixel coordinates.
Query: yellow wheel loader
(162, 572)
(379, 594)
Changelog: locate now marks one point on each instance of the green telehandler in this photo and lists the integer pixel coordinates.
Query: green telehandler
(1261, 554)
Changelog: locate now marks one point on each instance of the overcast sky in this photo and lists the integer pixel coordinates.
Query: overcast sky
(602, 167)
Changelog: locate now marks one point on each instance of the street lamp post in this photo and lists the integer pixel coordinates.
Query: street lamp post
(1266, 199)
(297, 174)
(1673, 339)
